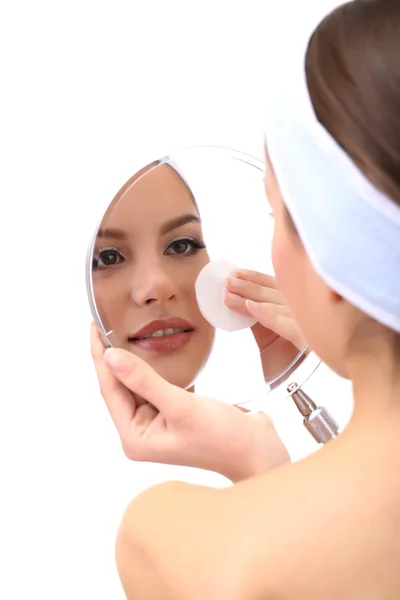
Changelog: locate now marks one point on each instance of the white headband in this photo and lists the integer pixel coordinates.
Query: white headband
(351, 231)
(171, 163)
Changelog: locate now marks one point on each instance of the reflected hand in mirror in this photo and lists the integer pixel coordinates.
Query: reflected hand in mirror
(276, 333)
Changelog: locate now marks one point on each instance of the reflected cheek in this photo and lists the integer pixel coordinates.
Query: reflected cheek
(185, 286)
(112, 294)
(194, 269)
(102, 294)
(205, 336)
(202, 259)
(205, 339)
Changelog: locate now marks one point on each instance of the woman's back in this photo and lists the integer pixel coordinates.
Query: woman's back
(327, 527)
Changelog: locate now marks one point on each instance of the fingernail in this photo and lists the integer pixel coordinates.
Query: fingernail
(254, 307)
(243, 273)
(245, 410)
(234, 283)
(233, 299)
(116, 360)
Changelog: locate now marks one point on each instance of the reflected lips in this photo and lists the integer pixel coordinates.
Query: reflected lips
(170, 334)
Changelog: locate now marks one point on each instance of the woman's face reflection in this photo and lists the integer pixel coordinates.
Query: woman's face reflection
(148, 254)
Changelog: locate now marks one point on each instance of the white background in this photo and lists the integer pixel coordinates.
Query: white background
(90, 91)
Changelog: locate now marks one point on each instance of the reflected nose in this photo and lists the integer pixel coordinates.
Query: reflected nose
(151, 283)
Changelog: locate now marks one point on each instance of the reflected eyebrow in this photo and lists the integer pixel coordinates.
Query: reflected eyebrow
(179, 222)
(117, 234)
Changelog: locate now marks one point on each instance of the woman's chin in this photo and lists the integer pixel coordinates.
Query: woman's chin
(176, 368)
(178, 375)
(185, 383)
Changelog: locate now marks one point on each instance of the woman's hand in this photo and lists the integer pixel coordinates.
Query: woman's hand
(172, 426)
(276, 333)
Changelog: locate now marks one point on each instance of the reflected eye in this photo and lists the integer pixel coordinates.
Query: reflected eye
(185, 247)
(108, 258)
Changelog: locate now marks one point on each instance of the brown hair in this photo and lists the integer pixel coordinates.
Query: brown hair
(353, 77)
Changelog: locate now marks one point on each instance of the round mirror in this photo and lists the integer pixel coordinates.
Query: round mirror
(157, 236)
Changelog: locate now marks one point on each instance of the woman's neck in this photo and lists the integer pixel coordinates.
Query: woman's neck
(375, 374)
(370, 444)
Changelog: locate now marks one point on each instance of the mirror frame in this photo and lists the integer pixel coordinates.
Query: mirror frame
(235, 155)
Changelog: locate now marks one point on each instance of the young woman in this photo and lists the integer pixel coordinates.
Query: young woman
(148, 253)
(328, 526)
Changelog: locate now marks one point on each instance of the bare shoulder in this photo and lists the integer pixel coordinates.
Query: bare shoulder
(184, 541)
(291, 534)
(171, 544)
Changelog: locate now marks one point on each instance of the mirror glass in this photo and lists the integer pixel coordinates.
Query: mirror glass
(164, 225)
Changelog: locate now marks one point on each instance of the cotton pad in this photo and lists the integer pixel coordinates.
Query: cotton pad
(211, 290)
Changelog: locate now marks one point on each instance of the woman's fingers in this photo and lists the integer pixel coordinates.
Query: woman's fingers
(254, 291)
(236, 303)
(139, 443)
(142, 380)
(270, 316)
(256, 277)
(266, 309)
(119, 401)
(277, 318)
(239, 305)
